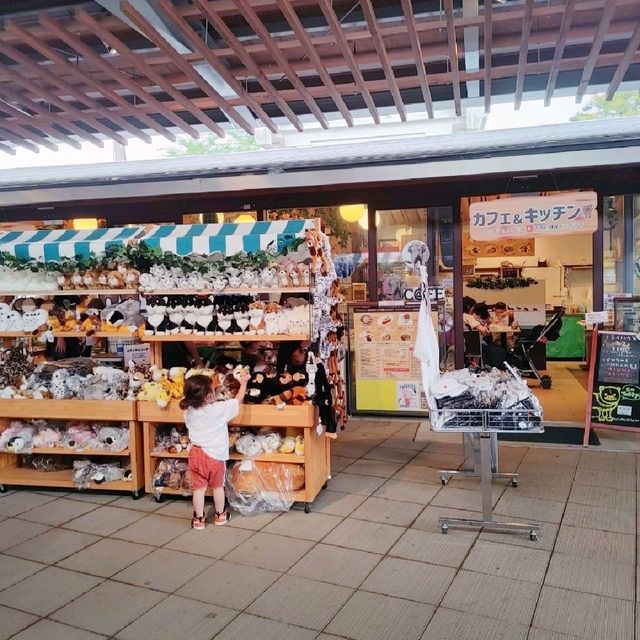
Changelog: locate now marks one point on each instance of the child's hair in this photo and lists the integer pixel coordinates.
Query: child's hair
(196, 391)
(500, 306)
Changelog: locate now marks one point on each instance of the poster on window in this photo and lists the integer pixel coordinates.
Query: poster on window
(387, 376)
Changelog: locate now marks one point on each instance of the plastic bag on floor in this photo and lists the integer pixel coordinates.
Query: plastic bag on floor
(256, 487)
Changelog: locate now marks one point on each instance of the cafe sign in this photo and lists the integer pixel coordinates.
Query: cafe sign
(560, 214)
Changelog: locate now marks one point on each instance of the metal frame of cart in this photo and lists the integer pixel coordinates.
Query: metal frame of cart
(486, 423)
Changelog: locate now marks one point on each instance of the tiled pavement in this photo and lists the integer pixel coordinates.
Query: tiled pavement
(368, 563)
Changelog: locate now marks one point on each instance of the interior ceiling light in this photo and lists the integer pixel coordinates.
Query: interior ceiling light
(352, 212)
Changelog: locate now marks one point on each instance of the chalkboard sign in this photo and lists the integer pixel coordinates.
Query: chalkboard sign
(614, 382)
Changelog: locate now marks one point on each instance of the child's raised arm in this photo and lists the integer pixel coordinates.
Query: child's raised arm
(244, 380)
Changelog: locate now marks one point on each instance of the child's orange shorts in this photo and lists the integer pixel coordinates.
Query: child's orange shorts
(205, 470)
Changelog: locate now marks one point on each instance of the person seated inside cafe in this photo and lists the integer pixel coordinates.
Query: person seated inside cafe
(501, 315)
(475, 317)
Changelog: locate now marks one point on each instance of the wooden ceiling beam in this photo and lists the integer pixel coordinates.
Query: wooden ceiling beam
(36, 122)
(598, 40)
(65, 88)
(90, 80)
(121, 78)
(416, 50)
(314, 58)
(378, 43)
(522, 55)
(7, 94)
(152, 34)
(252, 67)
(453, 55)
(488, 44)
(9, 135)
(623, 65)
(25, 132)
(278, 57)
(559, 51)
(52, 98)
(217, 65)
(144, 68)
(336, 29)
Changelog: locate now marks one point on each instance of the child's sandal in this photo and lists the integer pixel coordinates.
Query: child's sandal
(197, 522)
(222, 518)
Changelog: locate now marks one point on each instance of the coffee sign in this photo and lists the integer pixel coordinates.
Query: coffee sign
(560, 214)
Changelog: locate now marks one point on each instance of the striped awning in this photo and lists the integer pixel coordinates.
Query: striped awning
(228, 238)
(54, 244)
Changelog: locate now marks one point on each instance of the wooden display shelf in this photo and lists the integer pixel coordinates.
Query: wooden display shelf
(59, 451)
(56, 479)
(226, 292)
(96, 334)
(291, 458)
(20, 334)
(297, 496)
(191, 337)
(251, 415)
(76, 292)
(97, 410)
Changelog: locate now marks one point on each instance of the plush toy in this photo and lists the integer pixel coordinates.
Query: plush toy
(45, 436)
(299, 446)
(268, 277)
(293, 396)
(271, 320)
(17, 437)
(248, 445)
(112, 438)
(115, 280)
(288, 445)
(78, 435)
(124, 317)
(270, 441)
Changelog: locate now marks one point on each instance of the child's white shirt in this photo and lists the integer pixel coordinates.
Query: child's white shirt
(208, 427)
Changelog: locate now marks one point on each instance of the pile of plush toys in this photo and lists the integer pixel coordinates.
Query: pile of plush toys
(172, 473)
(85, 472)
(23, 436)
(254, 442)
(220, 276)
(223, 315)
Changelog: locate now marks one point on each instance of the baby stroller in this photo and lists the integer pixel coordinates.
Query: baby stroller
(520, 355)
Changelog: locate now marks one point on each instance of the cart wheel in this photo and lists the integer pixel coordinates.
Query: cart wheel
(307, 507)
(136, 495)
(445, 528)
(545, 382)
(533, 536)
(158, 499)
(324, 486)
(444, 481)
(3, 488)
(514, 482)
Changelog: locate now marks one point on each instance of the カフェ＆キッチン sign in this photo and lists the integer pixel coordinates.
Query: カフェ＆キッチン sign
(561, 214)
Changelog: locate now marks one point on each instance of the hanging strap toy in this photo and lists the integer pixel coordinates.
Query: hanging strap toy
(312, 369)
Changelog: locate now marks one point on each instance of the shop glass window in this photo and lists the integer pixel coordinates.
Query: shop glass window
(346, 227)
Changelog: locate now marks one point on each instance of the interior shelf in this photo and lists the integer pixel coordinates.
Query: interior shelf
(190, 337)
(57, 479)
(59, 451)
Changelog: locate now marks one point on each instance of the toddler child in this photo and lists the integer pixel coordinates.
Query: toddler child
(207, 422)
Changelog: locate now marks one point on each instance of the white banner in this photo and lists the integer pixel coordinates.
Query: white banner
(560, 214)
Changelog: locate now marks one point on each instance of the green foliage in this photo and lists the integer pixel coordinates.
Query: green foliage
(235, 141)
(624, 103)
(500, 283)
(142, 257)
(330, 216)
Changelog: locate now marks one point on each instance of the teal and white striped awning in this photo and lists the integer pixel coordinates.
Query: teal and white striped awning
(228, 238)
(55, 244)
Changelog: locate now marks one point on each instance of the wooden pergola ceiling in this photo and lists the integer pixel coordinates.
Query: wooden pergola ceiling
(73, 71)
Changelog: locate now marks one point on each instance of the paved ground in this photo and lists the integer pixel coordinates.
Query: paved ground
(368, 564)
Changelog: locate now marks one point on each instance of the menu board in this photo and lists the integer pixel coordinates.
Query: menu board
(387, 376)
(615, 384)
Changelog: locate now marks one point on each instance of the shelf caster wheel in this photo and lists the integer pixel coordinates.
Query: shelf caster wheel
(514, 483)
(307, 507)
(545, 382)
(3, 488)
(136, 495)
(325, 485)
(444, 481)
(445, 528)
(533, 536)
(158, 499)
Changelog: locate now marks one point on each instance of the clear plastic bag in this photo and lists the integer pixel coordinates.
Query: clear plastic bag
(86, 472)
(171, 473)
(46, 463)
(256, 487)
